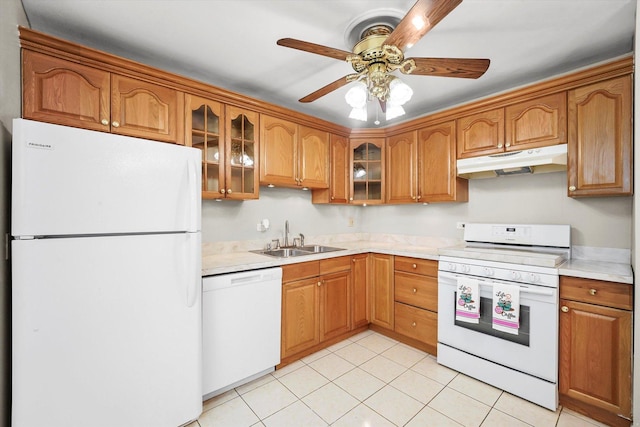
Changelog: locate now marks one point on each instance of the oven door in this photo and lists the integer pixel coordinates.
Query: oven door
(534, 350)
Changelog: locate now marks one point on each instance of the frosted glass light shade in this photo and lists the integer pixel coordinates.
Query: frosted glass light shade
(356, 97)
(399, 92)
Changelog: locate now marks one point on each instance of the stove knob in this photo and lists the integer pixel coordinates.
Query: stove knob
(465, 268)
(534, 277)
(488, 271)
(515, 275)
(452, 267)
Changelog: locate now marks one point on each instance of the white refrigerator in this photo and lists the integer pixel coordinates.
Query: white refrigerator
(106, 279)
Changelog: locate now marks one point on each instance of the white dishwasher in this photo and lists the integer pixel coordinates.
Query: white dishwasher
(241, 315)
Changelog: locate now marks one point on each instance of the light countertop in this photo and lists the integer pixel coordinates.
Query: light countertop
(216, 261)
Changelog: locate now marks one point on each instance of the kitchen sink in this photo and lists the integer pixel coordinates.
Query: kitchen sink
(298, 251)
(317, 249)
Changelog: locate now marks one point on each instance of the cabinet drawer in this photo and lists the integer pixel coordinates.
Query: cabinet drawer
(333, 265)
(300, 270)
(417, 266)
(609, 294)
(420, 291)
(416, 323)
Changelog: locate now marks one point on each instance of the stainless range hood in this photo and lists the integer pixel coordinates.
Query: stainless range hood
(535, 160)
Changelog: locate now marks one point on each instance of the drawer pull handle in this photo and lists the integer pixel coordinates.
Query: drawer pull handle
(565, 309)
(414, 266)
(115, 124)
(415, 290)
(104, 122)
(319, 283)
(592, 291)
(413, 324)
(572, 188)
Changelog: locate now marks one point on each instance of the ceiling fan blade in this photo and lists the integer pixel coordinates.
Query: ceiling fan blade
(314, 48)
(450, 67)
(326, 89)
(422, 17)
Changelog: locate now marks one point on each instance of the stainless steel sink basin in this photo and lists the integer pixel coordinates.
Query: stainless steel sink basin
(283, 253)
(316, 249)
(299, 251)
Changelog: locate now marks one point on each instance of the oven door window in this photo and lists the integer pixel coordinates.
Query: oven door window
(485, 325)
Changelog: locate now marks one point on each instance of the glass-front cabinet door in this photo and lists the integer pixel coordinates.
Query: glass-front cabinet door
(203, 122)
(367, 171)
(227, 138)
(242, 153)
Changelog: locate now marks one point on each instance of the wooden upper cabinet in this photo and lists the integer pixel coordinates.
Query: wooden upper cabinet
(481, 134)
(402, 164)
(66, 93)
(437, 174)
(292, 155)
(313, 158)
(279, 139)
(536, 123)
(227, 137)
(338, 191)
(146, 110)
(242, 148)
(600, 139)
(70, 94)
(367, 172)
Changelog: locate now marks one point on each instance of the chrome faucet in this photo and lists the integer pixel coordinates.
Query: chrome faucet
(301, 239)
(286, 234)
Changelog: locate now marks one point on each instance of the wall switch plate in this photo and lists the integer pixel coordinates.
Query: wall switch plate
(350, 222)
(460, 225)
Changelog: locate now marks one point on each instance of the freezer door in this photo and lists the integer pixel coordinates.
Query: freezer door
(107, 331)
(69, 181)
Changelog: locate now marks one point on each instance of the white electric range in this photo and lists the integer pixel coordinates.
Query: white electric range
(523, 258)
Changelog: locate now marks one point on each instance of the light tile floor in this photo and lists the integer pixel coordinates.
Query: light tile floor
(370, 380)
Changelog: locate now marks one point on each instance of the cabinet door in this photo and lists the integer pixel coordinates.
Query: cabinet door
(595, 356)
(416, 323)
(300, 327)
(359, 293)
(536, 123)
(242, 154)
(402, 163)
(146, 110)
(381, 282)
(313, 158)
(599, 150)
(66, 93)
(437, 173)
(338, 191)
(204, 130)
(367, 174)
(335, 304)
(481, 134)
(279, 141)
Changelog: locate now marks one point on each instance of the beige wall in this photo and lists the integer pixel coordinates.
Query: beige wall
(598, 222)
(11, 15)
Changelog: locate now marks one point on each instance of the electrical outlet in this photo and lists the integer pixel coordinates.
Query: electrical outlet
(350, 222)
(460, 225)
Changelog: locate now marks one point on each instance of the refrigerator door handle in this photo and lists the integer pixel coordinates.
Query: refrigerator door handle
(193, 280)
(194, 196)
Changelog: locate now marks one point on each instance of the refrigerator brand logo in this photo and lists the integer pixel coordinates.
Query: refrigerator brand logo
(39, 145)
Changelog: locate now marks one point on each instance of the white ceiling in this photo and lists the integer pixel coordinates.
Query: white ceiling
(232, 43)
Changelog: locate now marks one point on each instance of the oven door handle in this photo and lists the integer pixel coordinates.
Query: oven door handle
(523, 289)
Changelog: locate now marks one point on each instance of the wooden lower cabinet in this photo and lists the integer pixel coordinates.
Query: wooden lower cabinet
(596, 349)
(317, 305)
(416, 301)
(381, 287)
(359, 291)
(299, 316)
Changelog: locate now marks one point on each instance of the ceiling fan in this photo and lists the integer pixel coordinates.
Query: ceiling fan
(380, 51)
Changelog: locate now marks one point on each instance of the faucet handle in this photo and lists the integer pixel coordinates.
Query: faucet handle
(296, 242)
(301, 239)
(275, 244)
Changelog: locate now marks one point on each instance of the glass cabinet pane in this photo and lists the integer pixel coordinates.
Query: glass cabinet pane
(197, 118)
(367, 172)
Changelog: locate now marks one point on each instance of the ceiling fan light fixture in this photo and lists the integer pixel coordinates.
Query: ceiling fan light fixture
(359, 113)
(399, 92)
(356, 97)
(393, 111)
